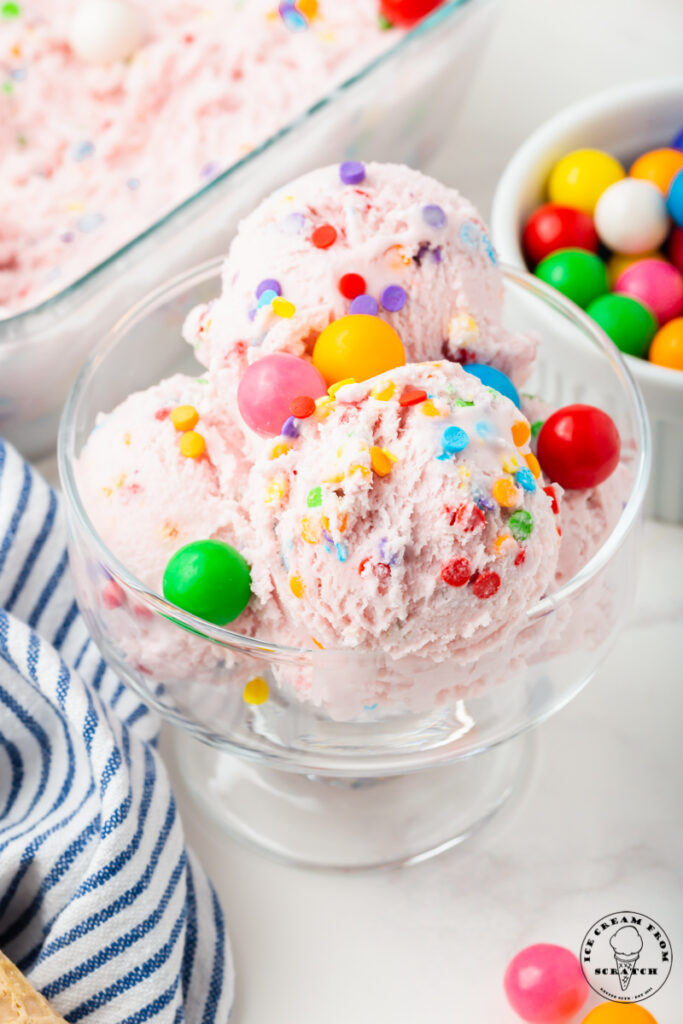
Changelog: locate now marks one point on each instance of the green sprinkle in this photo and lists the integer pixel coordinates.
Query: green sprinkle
(521, 524)
(7, 87)
(202, 380)
(22, 141)
(461, 402)
(10, 10)
(384, 23)
(536, 427)
(315, 497)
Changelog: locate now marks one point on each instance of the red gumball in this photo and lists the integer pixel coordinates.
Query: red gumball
(407, 12)
(552, 227)
(578, 446)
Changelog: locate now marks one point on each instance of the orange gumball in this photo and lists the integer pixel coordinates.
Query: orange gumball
(667, 345)
(357, 346)
(619, 1013)
(660, 166)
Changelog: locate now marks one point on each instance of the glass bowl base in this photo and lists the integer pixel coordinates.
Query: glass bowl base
(345, 824)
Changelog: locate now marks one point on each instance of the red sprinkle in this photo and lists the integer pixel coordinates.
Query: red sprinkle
(521, 555)
(324, 236)
(550, 491)
(162, 414)
(352, 285)
(112, 595)
(412, 396)
(381, 570)
(362, 565)
(468, 518)
(301, 408)
(457, 572)
(485, 584)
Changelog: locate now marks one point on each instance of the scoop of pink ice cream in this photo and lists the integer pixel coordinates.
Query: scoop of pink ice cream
(395, 522)
(417, 251)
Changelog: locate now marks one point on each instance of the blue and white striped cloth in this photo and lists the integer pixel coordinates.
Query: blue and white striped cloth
(101, 903)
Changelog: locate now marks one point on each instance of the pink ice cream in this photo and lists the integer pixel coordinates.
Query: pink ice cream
(90, 152)
(420, 249)
(402, 528)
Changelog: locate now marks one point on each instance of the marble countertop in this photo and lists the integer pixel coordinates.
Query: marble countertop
(598, 826)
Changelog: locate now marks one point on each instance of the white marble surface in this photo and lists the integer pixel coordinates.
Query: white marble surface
(599, 826)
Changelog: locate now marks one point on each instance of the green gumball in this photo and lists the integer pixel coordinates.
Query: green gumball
(629, 323)
(209, 579)
(577, 273)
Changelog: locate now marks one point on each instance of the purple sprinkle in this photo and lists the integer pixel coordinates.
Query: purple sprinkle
(286, 5)
(352, 172)
(434, 216)
(421, 252)
(289, 428)
(484, 503)
(269, 284)
(383, 549)
(328, 537)
(252, 314)
(394, 298)
(294, 223)
(365, 304)
(210, 170)
(437, 254)
(68, 236)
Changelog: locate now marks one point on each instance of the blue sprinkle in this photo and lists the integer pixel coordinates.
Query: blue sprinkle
(342, 553)
(289, 428)
(90, 222)
(133, 184)
(329, 548)
(525, 478)
(18, 74)
(490, 251)
(454, 439)
(470, 234)
(293, 19)
(486, 430)
(369, 707)
(266, 297)
(81, 151)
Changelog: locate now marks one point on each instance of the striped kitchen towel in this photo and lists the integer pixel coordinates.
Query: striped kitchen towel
(101, 903)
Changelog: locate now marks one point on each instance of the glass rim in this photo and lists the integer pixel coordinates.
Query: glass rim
(233, 640)
(423, 28)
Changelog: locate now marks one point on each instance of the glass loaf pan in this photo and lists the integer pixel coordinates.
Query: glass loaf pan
(398, 108)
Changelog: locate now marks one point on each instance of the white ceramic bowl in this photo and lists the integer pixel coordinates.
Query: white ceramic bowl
(626, 122)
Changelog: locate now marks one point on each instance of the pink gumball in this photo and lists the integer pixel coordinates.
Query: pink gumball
(270, 385)
(545, 985)
(657, 284)
(675, 248)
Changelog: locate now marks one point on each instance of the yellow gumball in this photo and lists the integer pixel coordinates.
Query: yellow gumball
(619, 1013)
(579, 178)
(619, 261)
(357, 346)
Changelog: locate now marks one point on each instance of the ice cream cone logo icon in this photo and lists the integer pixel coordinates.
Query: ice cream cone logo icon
(627, 945)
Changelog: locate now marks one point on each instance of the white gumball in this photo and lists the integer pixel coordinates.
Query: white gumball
(630, 216)
(102, 31)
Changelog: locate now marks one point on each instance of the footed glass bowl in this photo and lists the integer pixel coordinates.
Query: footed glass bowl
(340, 758)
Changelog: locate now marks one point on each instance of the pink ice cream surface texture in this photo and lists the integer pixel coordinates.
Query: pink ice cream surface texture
(94, 154)
(396, 228)
(357, 555)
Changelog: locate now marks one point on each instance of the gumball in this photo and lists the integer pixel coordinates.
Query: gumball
(629, 323)
(677, 142)
(659, 166)
(553, 227)
(579, 275)
(496, 379)
(619, 261)
(358, 346)
(674, 199)
(270, 385)
(619, 1013)
(579, 178)
(674, 250)
(578, 446)
(544, 984)
(667, 347)
(407, 12)
(656, 283)
(209, 579)
(630, 216)
(102, 31)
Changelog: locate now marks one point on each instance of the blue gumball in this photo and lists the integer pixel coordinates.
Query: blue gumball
(678, 141)
(674, 200)
(495, 379)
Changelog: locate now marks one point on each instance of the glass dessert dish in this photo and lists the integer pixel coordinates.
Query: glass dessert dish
(394, 108)
(341, 758)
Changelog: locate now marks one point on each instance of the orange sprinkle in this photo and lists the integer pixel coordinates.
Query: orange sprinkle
(379, 461)
(192, 445)
(297, 586)
(317, 643)
(309, 8)
(505, 492)
(184, 417)
(521, 432)
(533, 464)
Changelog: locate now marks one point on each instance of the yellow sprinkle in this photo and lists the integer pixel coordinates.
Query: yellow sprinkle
(297, 586)
(309, 8)
(328, 37)
(75, 207)
(192, 445)
(184, 417)
(275, 491)
(383, 394)
(126, 438)
(336, 479)
(317, 643)
(429, 409)
(120, 481)
(379, 461)
(533, 464)
(311, 530)
(324, 406)
(272, 16)
(510, 463)
(505, 492)
(334, 388)
(283, 307)
(356, 468)
(169, 531)
(107, 491)
(281, 448)
(521, 432)
(390, 455)
(256, 691)
(465, 473)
